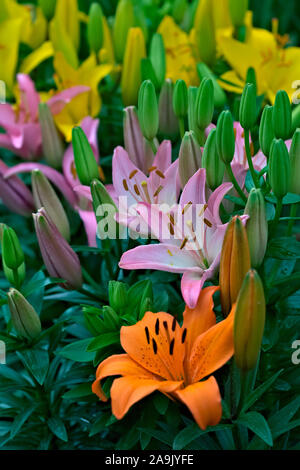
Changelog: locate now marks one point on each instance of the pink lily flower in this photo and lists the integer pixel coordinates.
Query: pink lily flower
(191, 249)
(67, 182)
(131, 186)
(21, 123)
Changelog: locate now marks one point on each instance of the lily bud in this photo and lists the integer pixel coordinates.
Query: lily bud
(12, 257)
(266, 132)
(251, 77)
(45, 196)
(212, 163)
(189, 157)
(85, 162)
(225, 137)
(234, 264)
(95, 28)
(282, 115)
(279, 169)
(157, 57)
(296, 117)
(148, 73)
(205, 31)
(238, 9)
(179, 9)
(220, 98)
(295, 163)
(148, 110)
(101, 197)
(192, 94)
(24, 318)
(124, 20)
(249, 321)
(180, 99)
(117, 294)
(205, 103)
(257, 226)
(168, 122)
(14, 194)
(53, 149)
(60, 259)
(48, 8)
(131, 74)
(248, 107)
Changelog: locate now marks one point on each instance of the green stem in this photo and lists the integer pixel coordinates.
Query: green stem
(181, 127)
(277, 215)
(249, 158)
(293, 213)
(245, 385)
(235, 183)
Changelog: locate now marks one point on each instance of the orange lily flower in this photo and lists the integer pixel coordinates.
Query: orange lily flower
(174, 360)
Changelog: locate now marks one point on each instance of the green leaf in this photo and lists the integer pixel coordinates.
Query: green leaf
(161, 403)
(192, 432)
(290, 198)
(281, 419)
(21, 419)
(257, 424)
(36, 362)
(78, 351)
(104, 340)
(82, 390)
(259, 391)
(284, 248)
(58, 428)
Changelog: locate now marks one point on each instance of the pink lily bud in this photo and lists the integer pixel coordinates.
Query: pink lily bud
(59, 258)
(14, 194)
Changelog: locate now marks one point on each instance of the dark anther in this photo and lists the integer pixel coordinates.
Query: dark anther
(147, 334)
(154, 346)
(172, 346)
(174, 324)
(157, 326)
(183, 335)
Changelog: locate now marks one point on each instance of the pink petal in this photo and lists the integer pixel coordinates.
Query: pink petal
(90, 224)
(163, 157)
(215, 201)
(123, 169)
(84, 191)
(29, 97)
(194, 190)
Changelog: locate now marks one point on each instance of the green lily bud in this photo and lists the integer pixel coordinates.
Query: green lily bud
(248, 107)
(148, 110)
(249, 321)
(257, 226)
(189, 157)
(124, 20)
(220, 98)
(12, 257)
(24, 318)
(205, 103)
(53, 148)
(295, 163)
(157, 57)
(147, 72)
(85, 162)
(95, 28)
(282, 115)
(168, 122)
(117, 294)
(279, 169)
(238, 9)
(48, 8)
(212, 163)
(104, 207)
(192, 93)
(251, 77)
(45, 196)
(179, 9)
(225, 137)
(101, 197)
(180, 99)
(296, 117)
(266, 132)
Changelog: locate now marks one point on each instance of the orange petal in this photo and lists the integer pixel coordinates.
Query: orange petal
(155, 343)
(203, 399)
(127, 391)
(119, 364)
(212, 349)
(199, 319)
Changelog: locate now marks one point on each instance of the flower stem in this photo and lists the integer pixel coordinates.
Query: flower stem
(181, 127)
(249, 158)
(235, 183)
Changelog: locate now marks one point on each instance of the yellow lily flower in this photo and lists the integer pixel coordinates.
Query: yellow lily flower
(276, 67)
(179, 54)
(34, 24)
(10, 33)
(89, 74)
